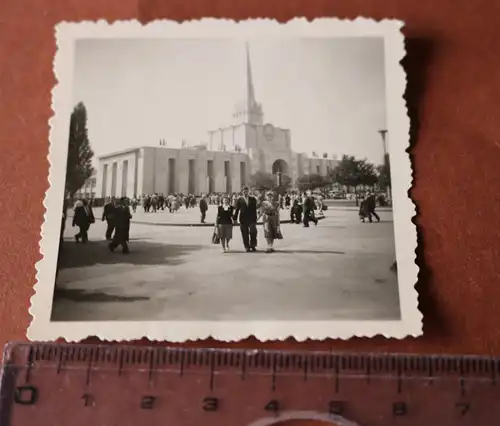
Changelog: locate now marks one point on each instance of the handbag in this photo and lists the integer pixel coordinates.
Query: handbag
(279, 235)
(215, 236)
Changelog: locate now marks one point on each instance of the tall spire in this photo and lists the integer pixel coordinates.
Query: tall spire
(248, 111)
(250, 89)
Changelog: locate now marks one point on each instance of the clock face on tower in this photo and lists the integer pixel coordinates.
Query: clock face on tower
(268, 131)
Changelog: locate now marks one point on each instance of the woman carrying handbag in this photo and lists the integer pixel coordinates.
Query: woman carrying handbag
(224, 223)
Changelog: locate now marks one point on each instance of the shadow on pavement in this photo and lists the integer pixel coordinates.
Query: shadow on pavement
(72, 255)
(83, 296)
(309, 251)
(263, 251)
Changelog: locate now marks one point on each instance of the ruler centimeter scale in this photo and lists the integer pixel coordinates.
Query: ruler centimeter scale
(64, 384)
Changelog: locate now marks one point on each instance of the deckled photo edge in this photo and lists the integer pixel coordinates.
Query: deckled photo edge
(42, 329)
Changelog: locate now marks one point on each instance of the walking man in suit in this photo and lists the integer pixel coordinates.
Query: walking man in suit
(122, 229)
(246, 208)
(83, 218)
(109, 215)
(203, 208)
(308, 206)
(371, 206)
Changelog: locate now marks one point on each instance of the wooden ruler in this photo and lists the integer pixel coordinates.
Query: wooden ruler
(98, 385)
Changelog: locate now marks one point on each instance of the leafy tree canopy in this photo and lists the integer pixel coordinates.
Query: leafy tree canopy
(265, 181)
(353, 172)
(312, 181)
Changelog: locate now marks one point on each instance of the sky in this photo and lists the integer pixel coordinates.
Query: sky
(329, 92)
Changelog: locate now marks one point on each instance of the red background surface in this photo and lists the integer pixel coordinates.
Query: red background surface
(454, 102)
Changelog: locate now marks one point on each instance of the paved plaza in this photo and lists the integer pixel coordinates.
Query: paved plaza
(339, 270)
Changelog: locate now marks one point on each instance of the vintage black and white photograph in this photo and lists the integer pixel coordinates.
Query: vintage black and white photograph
(228, 183)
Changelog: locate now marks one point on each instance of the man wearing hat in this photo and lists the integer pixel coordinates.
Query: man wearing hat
(246, 208)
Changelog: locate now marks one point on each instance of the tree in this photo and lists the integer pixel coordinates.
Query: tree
(384, 173)
(312, 181)
(262, 181)
(347, 172)
(352, 172)
(367, 173)
(266, 181)
(285, 184)
(79, 166)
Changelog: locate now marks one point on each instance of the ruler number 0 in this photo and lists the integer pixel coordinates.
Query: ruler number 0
(26, 395)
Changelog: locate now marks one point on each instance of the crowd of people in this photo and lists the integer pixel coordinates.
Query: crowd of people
(244, 209)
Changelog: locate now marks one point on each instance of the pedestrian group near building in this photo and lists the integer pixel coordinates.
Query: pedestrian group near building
(245, 209)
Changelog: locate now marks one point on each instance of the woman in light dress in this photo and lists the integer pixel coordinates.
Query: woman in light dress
(270, 213)
(224, 223)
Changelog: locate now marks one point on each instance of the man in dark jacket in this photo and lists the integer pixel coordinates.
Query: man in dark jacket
(109, 215)
(83, 218)
(371, 204)
(309, 206)
(296, 212)
(122, 227)
(246, 207)
(203, 208)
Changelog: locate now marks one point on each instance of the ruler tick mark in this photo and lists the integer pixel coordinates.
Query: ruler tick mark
(337, 378)
(181, 370)
(212, 368)
(31, 354)
(273, 387)
(120, 362)
(89, 367)
(243, 367)
(59, 362)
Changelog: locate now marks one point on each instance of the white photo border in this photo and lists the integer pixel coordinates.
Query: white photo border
(410, 324)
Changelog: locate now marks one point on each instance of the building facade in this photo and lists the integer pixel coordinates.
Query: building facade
(225, 164)
(88, 190)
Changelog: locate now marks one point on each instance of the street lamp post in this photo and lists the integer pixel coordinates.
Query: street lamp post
(383, 134)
